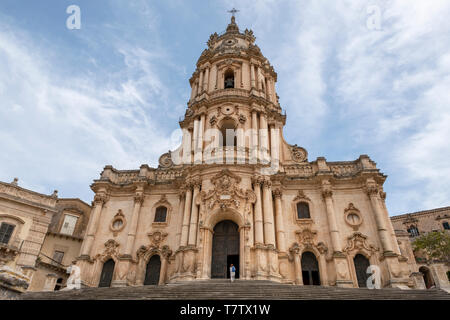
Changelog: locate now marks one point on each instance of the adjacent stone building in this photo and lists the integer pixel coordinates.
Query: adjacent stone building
(237, 192)
(411, 225)
(36, 239)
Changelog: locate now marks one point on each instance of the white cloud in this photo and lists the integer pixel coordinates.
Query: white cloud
(60, 129)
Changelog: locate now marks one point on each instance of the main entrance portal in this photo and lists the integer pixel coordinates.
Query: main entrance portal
(225, 249)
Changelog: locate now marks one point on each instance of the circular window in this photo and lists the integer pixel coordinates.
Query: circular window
(353, 218)
(117, 224)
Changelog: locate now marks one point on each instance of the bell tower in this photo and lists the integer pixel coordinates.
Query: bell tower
(233, 107)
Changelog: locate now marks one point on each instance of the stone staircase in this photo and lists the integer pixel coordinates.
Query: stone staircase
(239, 290)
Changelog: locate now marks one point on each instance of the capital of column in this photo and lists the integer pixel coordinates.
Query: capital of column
(267, 183)
(294, 249)
(100, 199)
(277, 193)
(372, 190)
(196, 183)
(327, 189)
(182, 194)
(139, 198)
(257, 180)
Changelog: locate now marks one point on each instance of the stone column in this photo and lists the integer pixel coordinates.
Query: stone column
(182, 196)
(269, 229)
(274, 149)
(187, 147)
(193, 91)
(206, 80)
(258, 78)
(200, 82)
(186, 217)
(197, 154)
(194, 216)
(279, 224)
(138, 200)
(252, 75)
(269, 89)
(343, 277)
(197, 89)
(99, 201)
(201, 131)
(331, 215)
(372, 192)
(392, 236)
(295, 251)
(207, 249)
(259, 230)
(254, 150)
(215, 71)
(263, 139)
(163, 271)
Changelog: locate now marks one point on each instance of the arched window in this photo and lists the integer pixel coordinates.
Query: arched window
(161, 214)
(228, 134)
(229, 79)
(6, 231)
(413, 231)
(446, 225)
(303, 210)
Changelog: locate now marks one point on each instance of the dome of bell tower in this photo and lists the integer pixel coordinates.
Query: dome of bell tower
(233, 68)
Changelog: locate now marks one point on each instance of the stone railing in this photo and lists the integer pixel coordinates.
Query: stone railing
(119, 177)
(300, 170)
(28, 195)
(342, 170)
(229, 92)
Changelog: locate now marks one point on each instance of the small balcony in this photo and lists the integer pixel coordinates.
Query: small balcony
(10, 249)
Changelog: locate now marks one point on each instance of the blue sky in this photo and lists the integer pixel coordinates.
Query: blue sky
(72, 101)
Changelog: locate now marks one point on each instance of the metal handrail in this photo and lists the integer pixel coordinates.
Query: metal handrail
(53, 261)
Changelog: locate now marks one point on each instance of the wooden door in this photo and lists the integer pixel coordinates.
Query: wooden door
(225, 245)
(153, 271)
(107, 273)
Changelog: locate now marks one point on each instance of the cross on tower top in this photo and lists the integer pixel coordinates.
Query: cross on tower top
(233, 11)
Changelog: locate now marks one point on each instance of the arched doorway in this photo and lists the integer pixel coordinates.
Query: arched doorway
(225, 249)
(153, 270)
(58, 284)
(310, 269)
(107, 273)
(427, 278)
(361, 264)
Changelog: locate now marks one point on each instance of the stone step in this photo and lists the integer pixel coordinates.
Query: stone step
(239, 290)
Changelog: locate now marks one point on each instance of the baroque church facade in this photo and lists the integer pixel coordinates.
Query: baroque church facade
(247, 198)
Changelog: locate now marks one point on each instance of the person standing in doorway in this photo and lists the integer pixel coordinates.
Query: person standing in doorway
(232, 272)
